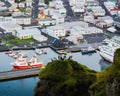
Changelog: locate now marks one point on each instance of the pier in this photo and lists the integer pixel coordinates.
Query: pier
(16, 74)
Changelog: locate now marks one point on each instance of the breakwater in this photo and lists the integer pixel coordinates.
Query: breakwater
(17, 74)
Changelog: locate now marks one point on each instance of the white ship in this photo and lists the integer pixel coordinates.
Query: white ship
(107, 51)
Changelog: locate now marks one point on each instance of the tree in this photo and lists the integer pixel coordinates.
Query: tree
(47, 1)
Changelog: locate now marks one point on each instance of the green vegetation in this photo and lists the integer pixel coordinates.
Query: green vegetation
(18, 1)
(11, 40)
(65, 78)
(108, 81)
(110, 36)
(47, 1)
(22, 9)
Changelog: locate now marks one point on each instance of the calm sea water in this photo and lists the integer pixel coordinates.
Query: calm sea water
(25, 87)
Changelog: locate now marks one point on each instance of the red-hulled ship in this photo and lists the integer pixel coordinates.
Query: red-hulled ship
(22, 63)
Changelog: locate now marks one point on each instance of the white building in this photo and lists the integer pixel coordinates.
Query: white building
(59, 18)
(23, 20)
(57, 4)
(77, 30)
(97, 10)
(75, 38)
(30, 33)
(77, 2)
(105, 21)
(69, 25)
(92, 30)
(9, 24)
(20, 18)
(78, 9)
(51, 11)
(48, 11)
(28, 3)
(109, 5)
(89, 18)
(56, 31)
(92, 3)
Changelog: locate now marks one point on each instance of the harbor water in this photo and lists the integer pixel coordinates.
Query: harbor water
(25, 86)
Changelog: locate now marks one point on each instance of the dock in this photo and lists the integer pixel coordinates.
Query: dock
(17, 74)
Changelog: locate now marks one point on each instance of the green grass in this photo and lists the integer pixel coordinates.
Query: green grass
(12, 40)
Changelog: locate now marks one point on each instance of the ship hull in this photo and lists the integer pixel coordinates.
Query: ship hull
(107, 57)
(26, 67)
(87, 52)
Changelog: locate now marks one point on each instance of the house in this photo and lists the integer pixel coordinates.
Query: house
(9, 24)
(105, 21)
(59, 18)
(92, 30)
(88, 18)
(78, 30)
(57, 4)
(46, 21)
(76, 2)
(96, 10)
(30, 33)
(28, 3)
(92, 3)
(69, 25)
(75, 38)
(56, 31)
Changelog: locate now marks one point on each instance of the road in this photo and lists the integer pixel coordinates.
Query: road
(35, 9)
(9, 75)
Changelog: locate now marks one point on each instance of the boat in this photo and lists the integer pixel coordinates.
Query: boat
(40, 52)
(62, 52)
(87, 50)
(22, 63)
(107, 52)
(23, 54)
(9, 52)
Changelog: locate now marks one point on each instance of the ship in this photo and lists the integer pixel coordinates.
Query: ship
(87, 50)
(40, 52)
(107, 52)
(22, 63)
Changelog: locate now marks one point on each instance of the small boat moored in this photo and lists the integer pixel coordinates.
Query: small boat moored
(87, 50)
(40, 52)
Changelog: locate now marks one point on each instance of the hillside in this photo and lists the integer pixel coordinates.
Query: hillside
(108, 81)
(66, 77)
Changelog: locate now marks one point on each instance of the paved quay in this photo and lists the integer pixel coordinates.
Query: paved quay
(16, 74)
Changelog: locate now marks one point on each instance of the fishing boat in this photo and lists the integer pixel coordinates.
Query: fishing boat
(22, 63)
(23, 54)
(9, 52)
(40, 52)
(87, 50)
